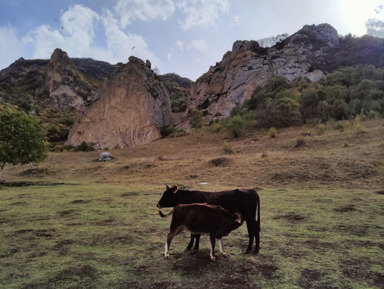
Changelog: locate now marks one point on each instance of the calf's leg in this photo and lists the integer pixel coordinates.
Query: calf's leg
(221, 247)
(172, 233)
(168, 244)
(194, 237)
(196, 248)
(212, 238)
(190, 245)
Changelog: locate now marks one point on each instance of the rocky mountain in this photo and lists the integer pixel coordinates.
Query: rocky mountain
(61, 82)
(178, 88)
(128, 111)
(309, 53)
(270, 41)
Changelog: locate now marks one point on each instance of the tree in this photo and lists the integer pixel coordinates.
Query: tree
(22, 139)
(196, 118)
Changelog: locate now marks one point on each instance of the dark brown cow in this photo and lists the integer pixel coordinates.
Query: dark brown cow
(202, 218)
(244, 201)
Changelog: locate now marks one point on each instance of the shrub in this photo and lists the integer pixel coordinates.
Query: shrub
(170, 130)
(228, 147)
(359, 128)
(272, 132)
(320, 128)
(196, 118)
(84, 147)
(341, 125)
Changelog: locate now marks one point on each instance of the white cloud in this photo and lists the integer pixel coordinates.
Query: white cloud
(76, 37)
(143, 10)
(180, 47)
(201, 12)
(197, 44)
(121, 45)
(235, 20)
(11, 47)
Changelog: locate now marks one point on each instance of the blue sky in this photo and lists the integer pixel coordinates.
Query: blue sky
(180, 36)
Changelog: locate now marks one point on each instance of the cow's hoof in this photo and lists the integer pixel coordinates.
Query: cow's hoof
(248, 251)
(256, 252)
(188, 249)
(225, 255)
(194, 252)
(166, 257)
(213, 258)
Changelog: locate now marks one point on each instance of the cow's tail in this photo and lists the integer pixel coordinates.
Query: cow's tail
(258, 212)
(166, 215)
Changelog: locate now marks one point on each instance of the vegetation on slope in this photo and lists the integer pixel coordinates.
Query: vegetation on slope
(344, 94)
(178, 88)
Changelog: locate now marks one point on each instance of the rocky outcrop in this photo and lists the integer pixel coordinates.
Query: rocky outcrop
(309, 53)
(131, 107)
(60, 82)
(63, 82)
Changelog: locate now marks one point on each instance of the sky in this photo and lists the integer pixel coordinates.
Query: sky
(178, 36)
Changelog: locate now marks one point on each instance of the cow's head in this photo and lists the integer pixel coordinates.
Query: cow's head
(169, 198)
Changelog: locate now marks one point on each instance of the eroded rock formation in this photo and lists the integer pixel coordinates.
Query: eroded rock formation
(131, 107)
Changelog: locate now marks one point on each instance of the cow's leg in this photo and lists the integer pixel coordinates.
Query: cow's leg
(212, 238)
(221, 247)
(251, 226)
(190, 245)
(196, 248)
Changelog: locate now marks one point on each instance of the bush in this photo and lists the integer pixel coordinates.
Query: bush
(196, 118)
(341, 125)
(238, 125)
(171, 131)
(84, 147)
(228, 147)
(320, 128)
(272, 132)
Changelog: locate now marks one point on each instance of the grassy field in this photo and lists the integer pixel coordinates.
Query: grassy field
(72, 222)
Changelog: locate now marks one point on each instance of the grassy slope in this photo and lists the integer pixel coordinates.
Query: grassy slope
(86, 224)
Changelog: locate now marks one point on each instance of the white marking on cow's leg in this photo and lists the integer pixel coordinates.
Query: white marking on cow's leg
(222, 248)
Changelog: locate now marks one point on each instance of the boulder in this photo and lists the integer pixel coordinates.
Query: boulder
(105, 156)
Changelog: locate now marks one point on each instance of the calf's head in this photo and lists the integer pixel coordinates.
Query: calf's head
(169, 198)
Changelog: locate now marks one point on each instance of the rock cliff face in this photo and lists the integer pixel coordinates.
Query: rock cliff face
(131, 106)
(60, 82)
(64, 83)
(311, 52)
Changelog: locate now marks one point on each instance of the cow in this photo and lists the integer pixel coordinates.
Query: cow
(244, 201)
(199, 219)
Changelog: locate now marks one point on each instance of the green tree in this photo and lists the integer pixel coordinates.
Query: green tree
(196, 118)
(22, 139)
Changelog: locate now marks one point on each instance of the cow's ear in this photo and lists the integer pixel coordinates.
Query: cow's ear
(174, 188)
(238, 218)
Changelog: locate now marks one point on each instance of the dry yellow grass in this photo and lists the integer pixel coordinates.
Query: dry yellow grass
(333, 159)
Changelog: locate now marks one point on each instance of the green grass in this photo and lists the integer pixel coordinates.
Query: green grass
(103, 236)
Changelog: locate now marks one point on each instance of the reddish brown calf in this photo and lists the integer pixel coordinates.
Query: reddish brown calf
(203, 218)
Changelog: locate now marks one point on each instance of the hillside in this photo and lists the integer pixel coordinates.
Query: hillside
(321, 213)
(310, 53)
